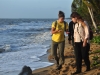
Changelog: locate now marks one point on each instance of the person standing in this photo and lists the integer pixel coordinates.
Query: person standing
(71, 34)
(81, 40)
(58, 39)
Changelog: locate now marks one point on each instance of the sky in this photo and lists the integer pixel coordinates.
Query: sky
(34, 8)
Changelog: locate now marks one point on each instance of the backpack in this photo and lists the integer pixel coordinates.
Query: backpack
(64, 25)
(90, 34)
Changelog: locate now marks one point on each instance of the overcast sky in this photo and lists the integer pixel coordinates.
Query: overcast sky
(34, 8)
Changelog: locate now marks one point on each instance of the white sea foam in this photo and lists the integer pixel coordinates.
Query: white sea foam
(27, 42)
(24, 49)
(14, 61)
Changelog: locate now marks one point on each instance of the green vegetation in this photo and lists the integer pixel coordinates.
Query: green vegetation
(96, 61)
(89, 10)
(94, 52)
(96, 39)
(95, 58)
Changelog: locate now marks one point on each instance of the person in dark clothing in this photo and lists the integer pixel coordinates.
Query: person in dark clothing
(82, 43)
(71, 33)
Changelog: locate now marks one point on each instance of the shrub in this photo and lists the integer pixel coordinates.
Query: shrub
(96, 39)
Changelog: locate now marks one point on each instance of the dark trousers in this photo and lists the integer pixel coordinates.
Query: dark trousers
(82, 53)
(73, 43)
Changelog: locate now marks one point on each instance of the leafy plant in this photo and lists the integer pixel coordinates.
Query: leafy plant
(96, 39)
(95, 58)
(80, 6)
(99, 28)
(94, 52)
(96, 62)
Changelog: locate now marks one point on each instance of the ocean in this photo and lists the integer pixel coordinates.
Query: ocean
(23, 42)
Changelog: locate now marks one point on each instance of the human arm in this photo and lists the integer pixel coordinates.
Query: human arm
(86, 29)
(71, 31)
(53, 28)
(54, 31)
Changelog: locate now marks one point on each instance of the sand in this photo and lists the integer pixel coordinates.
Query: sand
(69, 65)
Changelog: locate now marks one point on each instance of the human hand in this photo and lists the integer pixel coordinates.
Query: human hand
(67, 32)
(59, 31)
(84, 44)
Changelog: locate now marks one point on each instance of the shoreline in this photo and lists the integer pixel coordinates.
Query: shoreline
(44, 58)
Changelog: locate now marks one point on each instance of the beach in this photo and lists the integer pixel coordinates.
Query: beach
(27, 42)
(69, 66)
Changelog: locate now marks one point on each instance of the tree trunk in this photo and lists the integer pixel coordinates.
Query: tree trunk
(92, 17)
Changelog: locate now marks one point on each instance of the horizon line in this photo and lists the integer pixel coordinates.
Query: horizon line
(32, 18)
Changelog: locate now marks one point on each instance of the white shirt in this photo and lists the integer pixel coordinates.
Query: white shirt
(80, 33)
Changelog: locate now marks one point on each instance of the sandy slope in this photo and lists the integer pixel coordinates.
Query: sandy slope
(69, 65)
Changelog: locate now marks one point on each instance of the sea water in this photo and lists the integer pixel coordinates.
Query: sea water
(24, 41)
